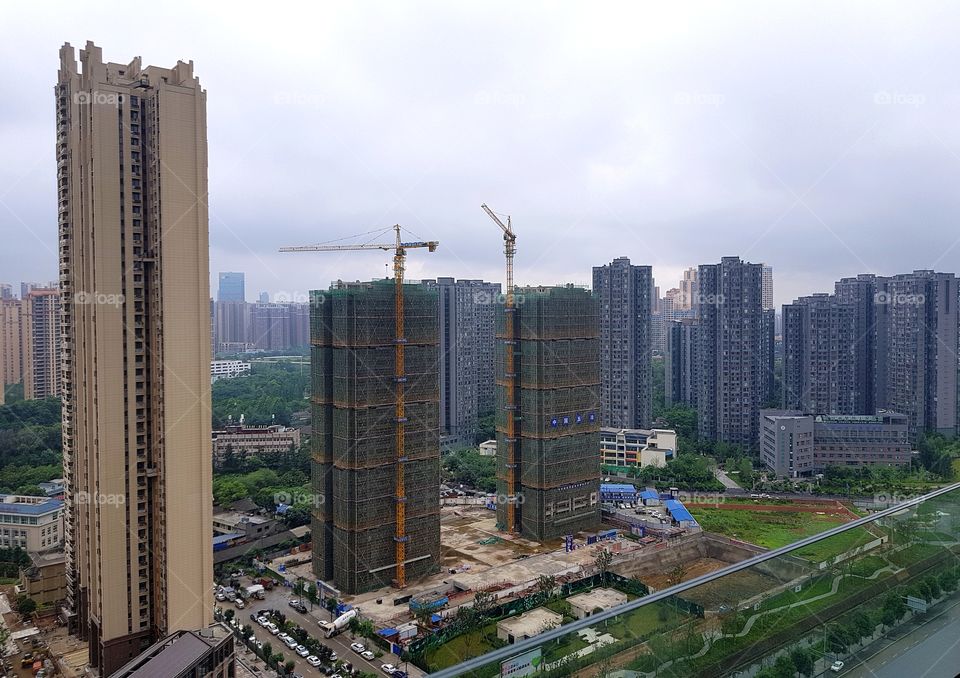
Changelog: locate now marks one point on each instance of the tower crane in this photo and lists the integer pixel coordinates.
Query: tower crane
(399, 259)
(510, 372)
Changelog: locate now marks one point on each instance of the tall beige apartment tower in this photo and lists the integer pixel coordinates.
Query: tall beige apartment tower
(134, 272)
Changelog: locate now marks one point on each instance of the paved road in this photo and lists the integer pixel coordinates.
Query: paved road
(926, 647)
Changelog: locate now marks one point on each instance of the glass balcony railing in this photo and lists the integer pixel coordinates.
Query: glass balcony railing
(874, 597)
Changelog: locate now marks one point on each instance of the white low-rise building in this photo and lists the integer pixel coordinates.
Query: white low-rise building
(528, 624)
(637, 447)
(32, 523)
(228, 369)
(587, 603)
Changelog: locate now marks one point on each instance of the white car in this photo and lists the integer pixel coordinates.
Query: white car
(358, 647)
(263, 621)
(314, 660)
(303, 651)
(388, 669)
(239, 603)
(272, 628)
(333, 657)
(283, 636)
(292, 643)
(368, 655)
(836, 666)
(221, 597)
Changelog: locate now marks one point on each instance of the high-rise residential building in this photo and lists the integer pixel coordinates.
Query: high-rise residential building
(231, 287)
(232, 325)
(917, 329)
(768, 395)
(556, 486)
(731, 369)
(264, 298)
(819, 355)
(688, 290)
(767, 287)
(680, 363)
(625, 310)
(270, 326)
(11, 359)
(357, 430)
(6, 291)
(467, 311)
(132, 186)
(40, 335)
(859, 292)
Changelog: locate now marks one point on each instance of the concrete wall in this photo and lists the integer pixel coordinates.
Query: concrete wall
(656, 559)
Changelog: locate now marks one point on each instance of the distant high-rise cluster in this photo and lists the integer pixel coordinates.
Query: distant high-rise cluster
(30, 341)
(876, 343)
(626, 389)
(231, 287)
(240, 326)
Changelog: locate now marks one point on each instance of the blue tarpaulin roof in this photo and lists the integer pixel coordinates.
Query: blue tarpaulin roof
(220, 538)
(649, 494)
(678, 511)
(617, 487)
(387, 632)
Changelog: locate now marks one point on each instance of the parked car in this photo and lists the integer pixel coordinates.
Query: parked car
(314, 660)
(239, 603)
(303, 651)
(368, 655)
(263, 621)
(358, 648)
(388, 669)
(836, 666)
(399, 674)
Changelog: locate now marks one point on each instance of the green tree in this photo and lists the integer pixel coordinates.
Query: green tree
(602, 561)
(26, 606)
(803, 660)
(289, 666)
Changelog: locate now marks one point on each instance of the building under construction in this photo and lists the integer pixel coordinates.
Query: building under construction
(355, 434)
(554, 480)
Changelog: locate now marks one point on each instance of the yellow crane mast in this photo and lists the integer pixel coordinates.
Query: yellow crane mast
(510, 372)
(399, 257)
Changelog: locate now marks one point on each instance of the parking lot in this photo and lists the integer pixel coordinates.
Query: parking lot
(278, 599)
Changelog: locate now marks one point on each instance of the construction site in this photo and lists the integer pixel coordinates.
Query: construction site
(376, 456)
(548, 427)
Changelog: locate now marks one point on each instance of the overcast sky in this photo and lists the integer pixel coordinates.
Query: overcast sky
(820, 138)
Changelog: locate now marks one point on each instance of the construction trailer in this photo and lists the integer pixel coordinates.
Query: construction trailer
(556, 478)
(353, 365)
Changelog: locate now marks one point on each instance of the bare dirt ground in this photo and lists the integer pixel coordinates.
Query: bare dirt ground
(729, 590)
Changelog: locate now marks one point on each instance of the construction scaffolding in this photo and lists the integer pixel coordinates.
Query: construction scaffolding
(357, 433)
(558, 438)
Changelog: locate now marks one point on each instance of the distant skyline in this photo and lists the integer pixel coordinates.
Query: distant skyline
(819, 139)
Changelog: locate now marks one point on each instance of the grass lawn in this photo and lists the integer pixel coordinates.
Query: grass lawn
(864, 567)
(463, 647)
(771, 529)
(570, 644)
(913, 554)
(835, 545)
